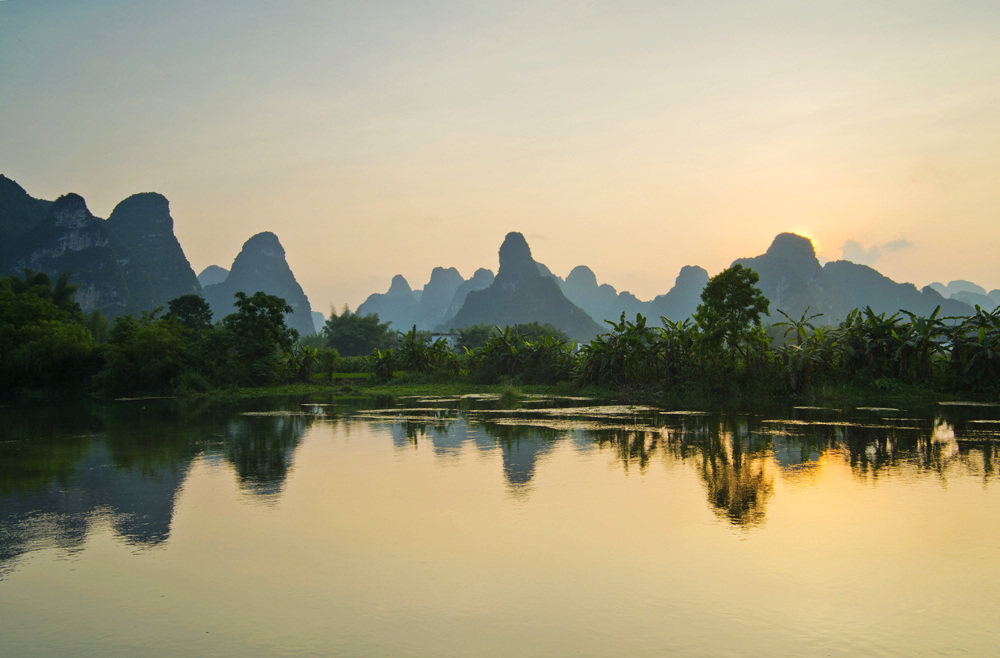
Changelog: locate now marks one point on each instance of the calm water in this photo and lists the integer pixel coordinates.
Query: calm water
(450, 527)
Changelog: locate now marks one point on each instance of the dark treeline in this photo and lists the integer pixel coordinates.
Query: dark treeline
(725, 350)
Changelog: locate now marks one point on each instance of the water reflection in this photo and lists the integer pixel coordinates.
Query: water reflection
(66, 470)
(260, 449)
(737, 457)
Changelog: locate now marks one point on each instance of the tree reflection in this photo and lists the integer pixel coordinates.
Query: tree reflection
(736, 477)
(630, 447)
(260, 448)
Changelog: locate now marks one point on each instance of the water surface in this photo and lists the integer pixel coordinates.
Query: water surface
(442, 526)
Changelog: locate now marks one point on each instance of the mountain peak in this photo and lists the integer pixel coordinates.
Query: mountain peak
(265, 244)
(792, 247)
(70, 211)
(148, 208)
(581, 276)
(515, 257)
(399, 286)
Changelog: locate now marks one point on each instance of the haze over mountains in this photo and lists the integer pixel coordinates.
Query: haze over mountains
(133, 262)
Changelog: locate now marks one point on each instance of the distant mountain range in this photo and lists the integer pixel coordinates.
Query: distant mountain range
(791, 277)
(132, 261)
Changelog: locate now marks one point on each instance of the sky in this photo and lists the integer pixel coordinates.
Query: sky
(381, 138)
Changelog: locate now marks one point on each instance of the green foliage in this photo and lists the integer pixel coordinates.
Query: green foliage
(418, 354)
(356, 335)
(509, 356)
(630, 355)
(328, 361)
(192, 311)
(142, 355)
(731, 305)
(975, 351)
(43, 341)
(258, 339)
(302, 360)
(473, 336)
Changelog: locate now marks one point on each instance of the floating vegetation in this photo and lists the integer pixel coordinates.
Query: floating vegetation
(147, 397)
(835, 423)
(277, 413)
(608, 411)
(839, 411)
(571, 424)
(684, 413)
(401, 410)
(892, 409)
(962, 403)
(413, 418)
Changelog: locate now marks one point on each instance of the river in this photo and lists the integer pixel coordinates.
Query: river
(453, 527)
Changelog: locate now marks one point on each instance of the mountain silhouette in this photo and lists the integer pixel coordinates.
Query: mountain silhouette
(261, 267)
(792, 278)
(521, 293)
(212, 275)
(144, 224)
(397, 306)
(111, 277)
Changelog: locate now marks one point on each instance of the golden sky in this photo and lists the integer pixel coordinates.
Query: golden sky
(381, 138)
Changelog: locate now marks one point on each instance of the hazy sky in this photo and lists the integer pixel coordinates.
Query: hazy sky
(377, 138)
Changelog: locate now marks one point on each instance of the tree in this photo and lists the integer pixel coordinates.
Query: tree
(192, 311)
(143, 355)
(43, 341)
(356, 335)
(259, 337)
(731, 305)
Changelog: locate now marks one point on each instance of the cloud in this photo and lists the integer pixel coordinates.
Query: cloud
(855, 252)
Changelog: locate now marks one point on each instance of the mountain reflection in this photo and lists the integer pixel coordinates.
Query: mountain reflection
(737, 457)
(65, 471)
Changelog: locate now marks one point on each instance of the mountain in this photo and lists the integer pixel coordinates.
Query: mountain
(482, 278)
(860, 286)
(397, 306)
(521, 293)
(437, 296)
(792, 278)
(111, 277)
(144, 224)
(19, 212)
(261, 266)
(683, 299)
(212, 275)
(601, 302)
(969, 293)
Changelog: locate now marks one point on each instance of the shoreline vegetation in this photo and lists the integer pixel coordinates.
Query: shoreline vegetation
(734, 350)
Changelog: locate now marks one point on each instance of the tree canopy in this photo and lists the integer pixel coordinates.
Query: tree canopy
(731, 303)
(356, 335)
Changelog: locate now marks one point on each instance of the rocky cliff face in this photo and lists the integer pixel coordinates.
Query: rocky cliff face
(520, 293)
(261, 266)
(144, 224)
(111, 278)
